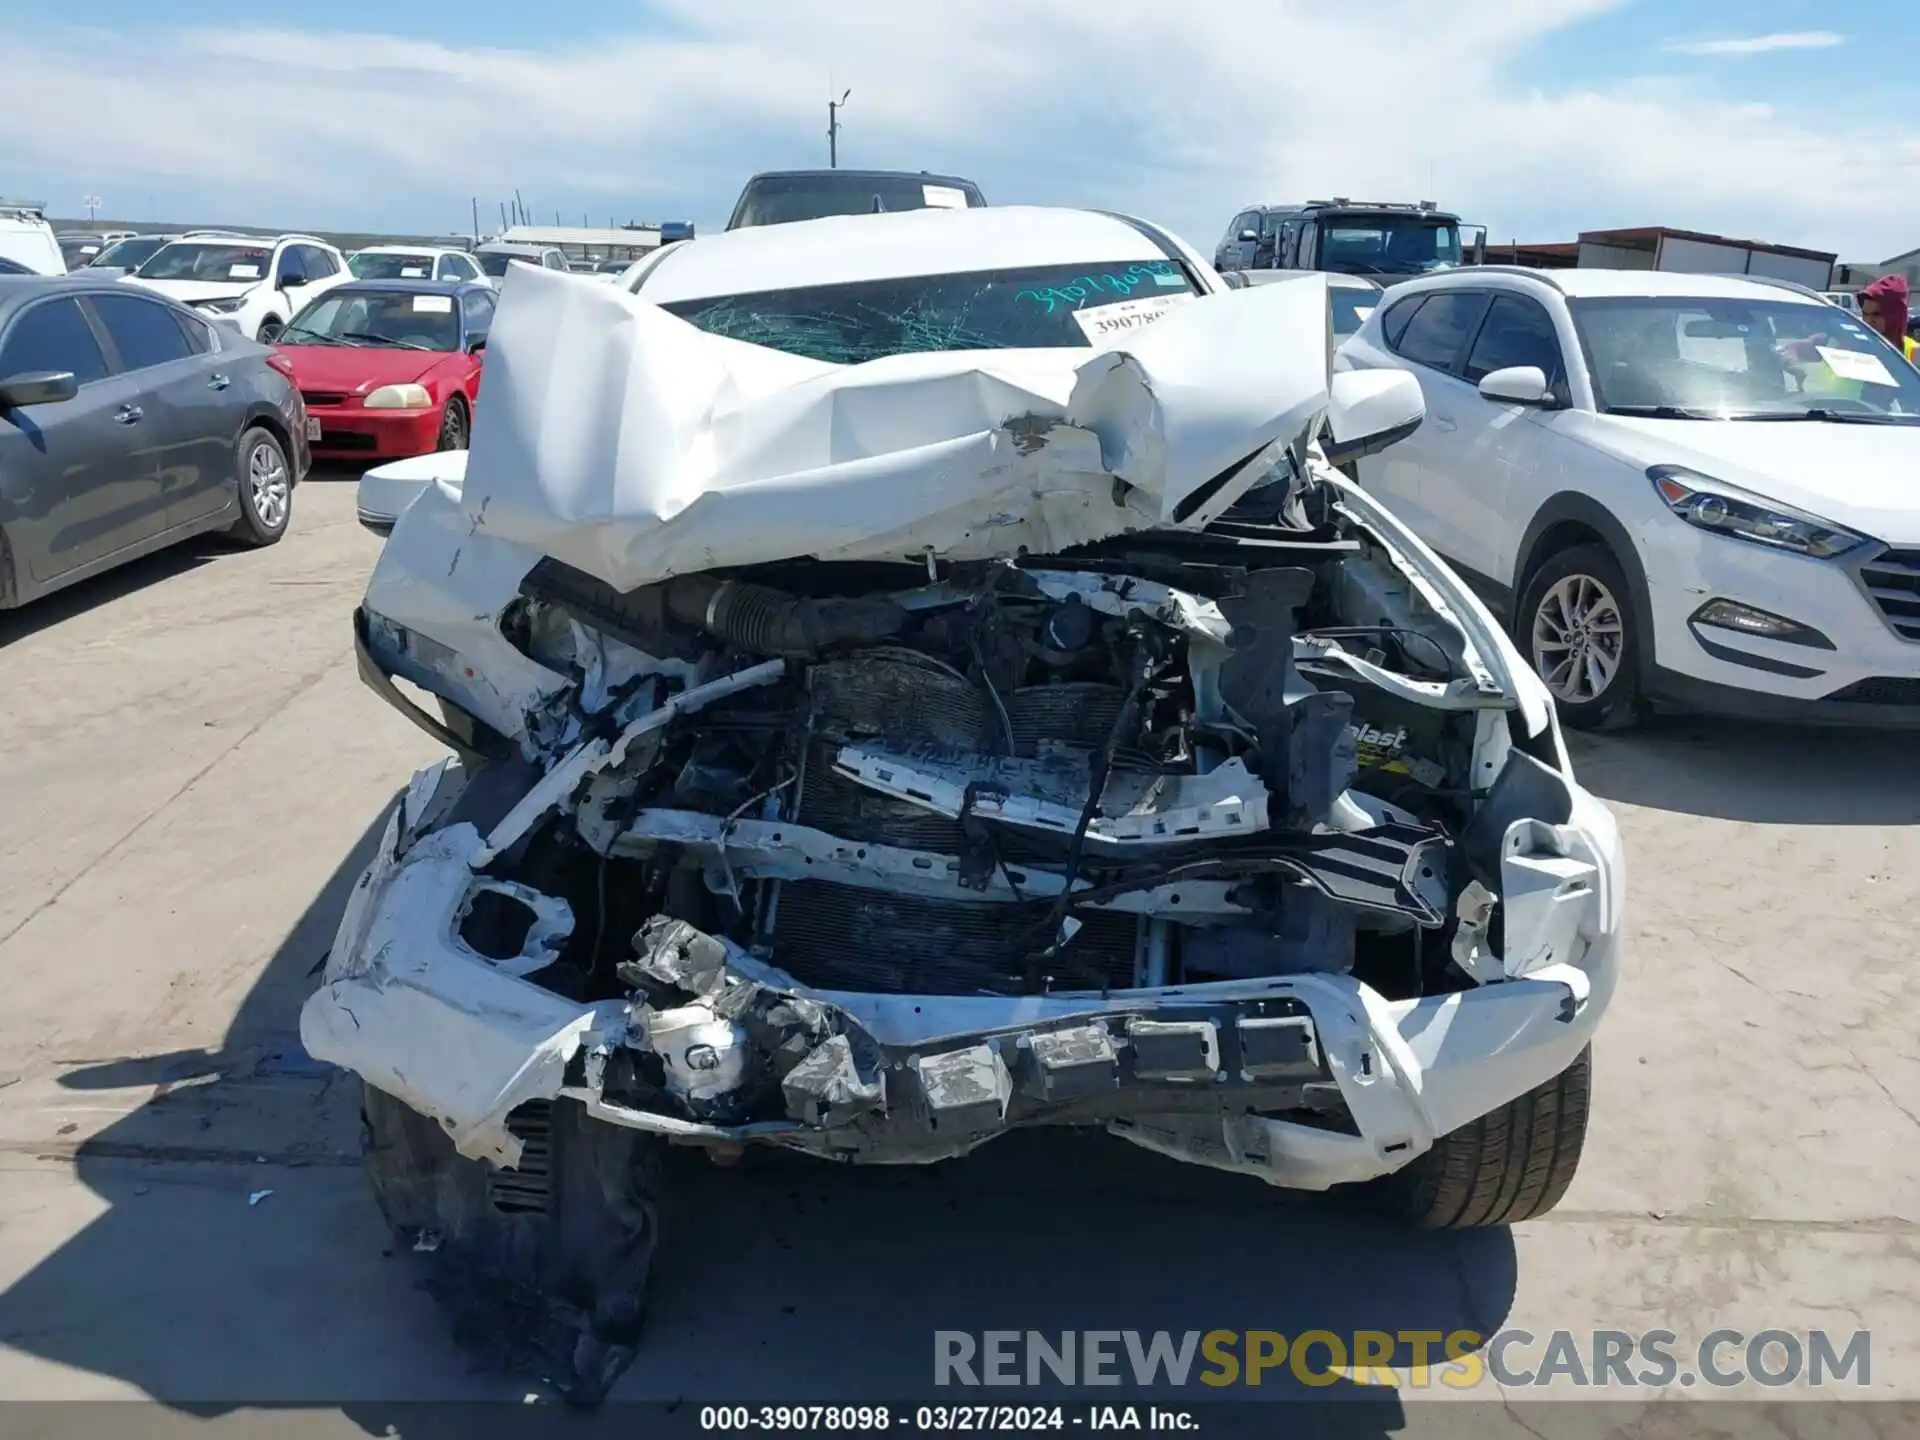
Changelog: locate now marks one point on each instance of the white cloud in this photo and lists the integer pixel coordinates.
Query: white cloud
(1762, 44)
(1178, 112)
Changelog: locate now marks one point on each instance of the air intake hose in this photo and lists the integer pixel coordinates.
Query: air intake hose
(766, 621)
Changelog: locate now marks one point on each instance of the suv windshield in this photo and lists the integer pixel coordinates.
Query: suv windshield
(196, 260)
(782, 199)
(1037, 308)
(398, 318)
(495, 262)
(1687, 358)
(130, 253)
(415, 265)
(1388, 244)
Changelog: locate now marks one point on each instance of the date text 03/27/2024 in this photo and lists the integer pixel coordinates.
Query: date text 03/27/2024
(872, 1419)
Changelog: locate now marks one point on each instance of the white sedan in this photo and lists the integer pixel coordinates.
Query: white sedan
(917, 675)
(1685, 490)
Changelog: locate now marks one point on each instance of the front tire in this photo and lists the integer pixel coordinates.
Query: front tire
(455, 427)
(1511, 1165)
(1577, 626)
(266, 488)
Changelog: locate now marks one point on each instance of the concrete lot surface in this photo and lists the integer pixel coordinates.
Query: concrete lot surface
(192, 777)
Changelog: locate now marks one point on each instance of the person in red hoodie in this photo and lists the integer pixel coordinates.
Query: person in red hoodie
(1883, 305)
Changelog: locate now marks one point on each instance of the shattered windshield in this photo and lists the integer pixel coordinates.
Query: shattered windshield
(1040, 307)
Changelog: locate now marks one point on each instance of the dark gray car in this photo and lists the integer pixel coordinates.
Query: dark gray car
(127, 424)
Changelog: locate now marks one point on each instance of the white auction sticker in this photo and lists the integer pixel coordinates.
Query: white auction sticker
(433, 304)
(1856, 365)
(412, 272)
(1102, 322)
(243, 272)
(943, 197)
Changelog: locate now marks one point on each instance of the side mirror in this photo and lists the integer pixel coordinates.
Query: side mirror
(1248, 237)
(476, 343)
(1517, 385)
(1370, 410)
(293, 280)
(38, 387)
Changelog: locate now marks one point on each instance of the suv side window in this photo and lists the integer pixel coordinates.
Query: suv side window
(1393, 324)
(318, 262)
(1439, 328)
(289, 263)
(1517, 331)
(144, 333)
(53, 335)
(200, 337)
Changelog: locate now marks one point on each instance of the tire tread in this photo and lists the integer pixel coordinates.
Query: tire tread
(1507, 1166)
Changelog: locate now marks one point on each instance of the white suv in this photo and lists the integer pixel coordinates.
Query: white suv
(251, 283)
(27, 243)
(1682, 489)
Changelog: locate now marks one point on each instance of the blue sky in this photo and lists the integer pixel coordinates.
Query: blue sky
(1775, 119)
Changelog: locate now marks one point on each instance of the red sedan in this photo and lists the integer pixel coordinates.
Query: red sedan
(389, 367)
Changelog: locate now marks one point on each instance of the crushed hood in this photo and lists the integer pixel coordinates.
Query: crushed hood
(623, 441)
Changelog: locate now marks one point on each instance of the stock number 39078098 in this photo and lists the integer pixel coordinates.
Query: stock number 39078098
(857, 1419)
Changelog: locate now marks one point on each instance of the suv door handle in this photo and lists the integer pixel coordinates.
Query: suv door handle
(128, 414)
(218, 382)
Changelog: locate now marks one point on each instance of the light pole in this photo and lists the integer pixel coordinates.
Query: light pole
(834, 107)
(92, 202)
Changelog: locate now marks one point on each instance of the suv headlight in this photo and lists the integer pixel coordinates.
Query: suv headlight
(1710, 504)
(221, 307)
(399, 397)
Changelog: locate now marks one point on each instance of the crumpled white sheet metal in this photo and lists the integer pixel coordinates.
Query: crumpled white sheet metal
(415, 1013)
(624, 441)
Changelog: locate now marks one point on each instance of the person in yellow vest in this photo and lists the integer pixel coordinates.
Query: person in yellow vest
(1884, 305)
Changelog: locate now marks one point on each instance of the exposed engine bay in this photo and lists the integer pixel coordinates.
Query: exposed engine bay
(1032, 779)
(1157, 762)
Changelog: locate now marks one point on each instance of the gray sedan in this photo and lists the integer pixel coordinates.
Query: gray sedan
(128, 424)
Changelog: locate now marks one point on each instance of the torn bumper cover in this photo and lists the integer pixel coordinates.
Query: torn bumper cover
(1306, 1081)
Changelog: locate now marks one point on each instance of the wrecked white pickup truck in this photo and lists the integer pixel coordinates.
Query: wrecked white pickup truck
(918, 675)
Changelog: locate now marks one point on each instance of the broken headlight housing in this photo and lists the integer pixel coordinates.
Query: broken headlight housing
(1710, 504)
